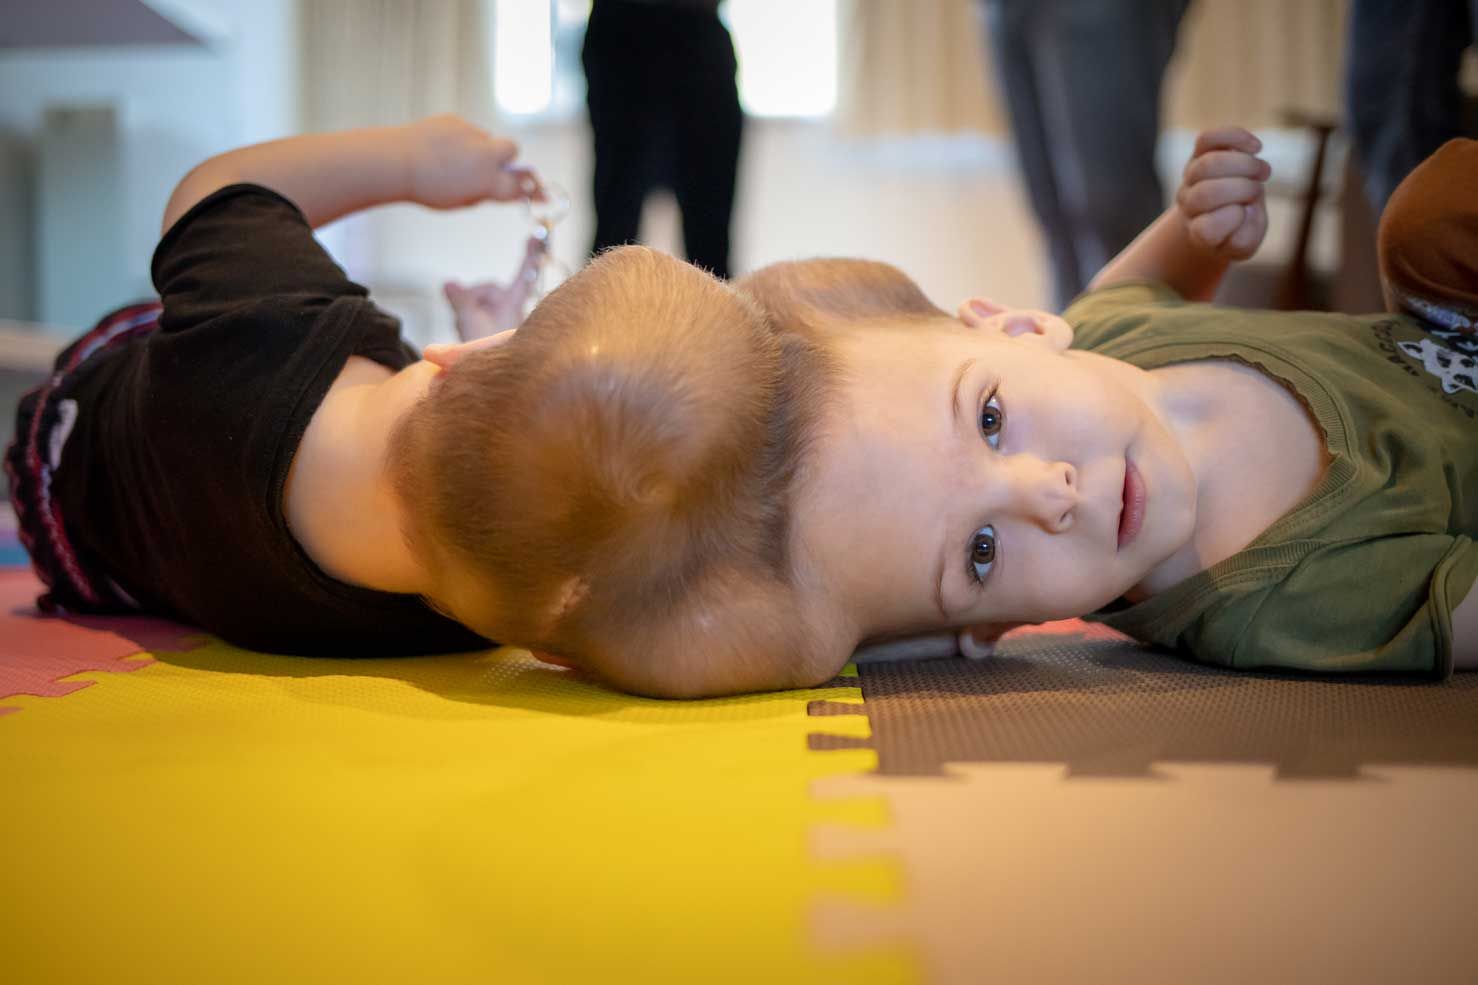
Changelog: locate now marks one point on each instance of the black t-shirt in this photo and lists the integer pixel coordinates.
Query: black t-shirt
(172, 478)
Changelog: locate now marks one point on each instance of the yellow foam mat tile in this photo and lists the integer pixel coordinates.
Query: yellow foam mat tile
(224, 816)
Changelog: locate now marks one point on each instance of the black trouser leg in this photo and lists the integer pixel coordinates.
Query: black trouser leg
(620, 98)
(707, 127)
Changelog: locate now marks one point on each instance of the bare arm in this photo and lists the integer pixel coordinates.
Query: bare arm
(441, 162)
(1219, 216)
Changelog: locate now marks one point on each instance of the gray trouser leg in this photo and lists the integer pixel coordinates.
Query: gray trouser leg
(1082, 83)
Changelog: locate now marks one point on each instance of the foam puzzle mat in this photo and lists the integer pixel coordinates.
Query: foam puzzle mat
(1078, 809)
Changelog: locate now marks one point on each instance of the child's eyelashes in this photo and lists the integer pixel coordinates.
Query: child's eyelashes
(992, 419)
(982, 554)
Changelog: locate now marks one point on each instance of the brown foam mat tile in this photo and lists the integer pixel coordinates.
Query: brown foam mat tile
(1102, 705)
(1080, 809)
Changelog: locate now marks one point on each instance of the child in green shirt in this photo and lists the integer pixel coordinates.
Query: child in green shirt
(1253, 489)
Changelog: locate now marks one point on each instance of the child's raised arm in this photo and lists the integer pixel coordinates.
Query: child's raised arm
(1219, 216)
(441, 162)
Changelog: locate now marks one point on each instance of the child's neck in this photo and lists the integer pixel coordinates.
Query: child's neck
(340, 503)
(1255, 453)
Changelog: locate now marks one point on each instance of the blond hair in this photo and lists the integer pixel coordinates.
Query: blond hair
(620, 475)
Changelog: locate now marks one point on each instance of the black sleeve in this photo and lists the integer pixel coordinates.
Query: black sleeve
(240, 244)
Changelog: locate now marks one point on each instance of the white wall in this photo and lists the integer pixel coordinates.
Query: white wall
(177, 106)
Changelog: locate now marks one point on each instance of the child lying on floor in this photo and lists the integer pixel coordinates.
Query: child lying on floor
(261, 455)
(1254, 489)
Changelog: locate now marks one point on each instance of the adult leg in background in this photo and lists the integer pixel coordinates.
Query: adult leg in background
(1401, 83)
(1082, 80)
(707, 127)
(625, 95)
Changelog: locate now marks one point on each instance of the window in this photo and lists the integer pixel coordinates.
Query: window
(787, 56)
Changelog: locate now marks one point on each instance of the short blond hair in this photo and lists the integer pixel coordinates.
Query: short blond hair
(620, 473)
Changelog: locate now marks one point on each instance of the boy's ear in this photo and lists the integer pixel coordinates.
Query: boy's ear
(976, 311)
(985, 314)
(1026, 322)
(446, 354)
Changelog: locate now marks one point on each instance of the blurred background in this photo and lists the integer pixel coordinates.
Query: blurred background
(871, 127)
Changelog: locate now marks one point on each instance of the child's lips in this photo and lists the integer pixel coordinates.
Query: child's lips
(1131, 513)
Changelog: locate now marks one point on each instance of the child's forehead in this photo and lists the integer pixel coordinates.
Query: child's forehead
(894, 348)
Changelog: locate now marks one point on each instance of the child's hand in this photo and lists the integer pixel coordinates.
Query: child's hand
(1221, 193)
(454, 163)
(488, 308)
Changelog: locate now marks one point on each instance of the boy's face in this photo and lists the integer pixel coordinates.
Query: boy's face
(986, 474)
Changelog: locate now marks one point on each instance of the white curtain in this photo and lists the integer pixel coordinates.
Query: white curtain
(1251, 61)
(914, 67)
(922, 66)
(376, 62)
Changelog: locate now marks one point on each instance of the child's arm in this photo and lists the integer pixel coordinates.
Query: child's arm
(1219, 216)
(441, 162)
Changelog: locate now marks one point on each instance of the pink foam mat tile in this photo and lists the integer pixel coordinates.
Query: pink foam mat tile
(37, 650)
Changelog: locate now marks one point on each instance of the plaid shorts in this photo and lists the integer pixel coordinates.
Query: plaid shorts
(43, 422)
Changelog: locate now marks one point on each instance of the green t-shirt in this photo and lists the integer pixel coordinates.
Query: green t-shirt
(1363, 574)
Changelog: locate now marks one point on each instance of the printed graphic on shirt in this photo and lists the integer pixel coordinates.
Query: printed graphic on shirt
(1441, 357)
(1455, 371)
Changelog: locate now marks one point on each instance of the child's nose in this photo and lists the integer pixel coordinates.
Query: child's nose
(1047, 492)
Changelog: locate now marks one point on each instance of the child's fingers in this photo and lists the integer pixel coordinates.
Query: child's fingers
(1226, 164)
(1212, 229)
(534, 249)
(528, 271)
(512, 182)
(1206, 196)
(1247, 237)
(1226, 138)
(489, 293)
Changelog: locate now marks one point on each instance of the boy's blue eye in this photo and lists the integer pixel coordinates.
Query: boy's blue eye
(992, 420)
(982, 553)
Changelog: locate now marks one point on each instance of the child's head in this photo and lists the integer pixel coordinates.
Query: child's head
(969, 469)
(612, 486)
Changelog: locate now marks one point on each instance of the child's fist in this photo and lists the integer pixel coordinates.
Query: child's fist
(1221, 193)
(454, 163)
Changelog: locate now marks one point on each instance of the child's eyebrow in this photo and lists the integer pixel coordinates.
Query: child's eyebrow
(954, 399)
